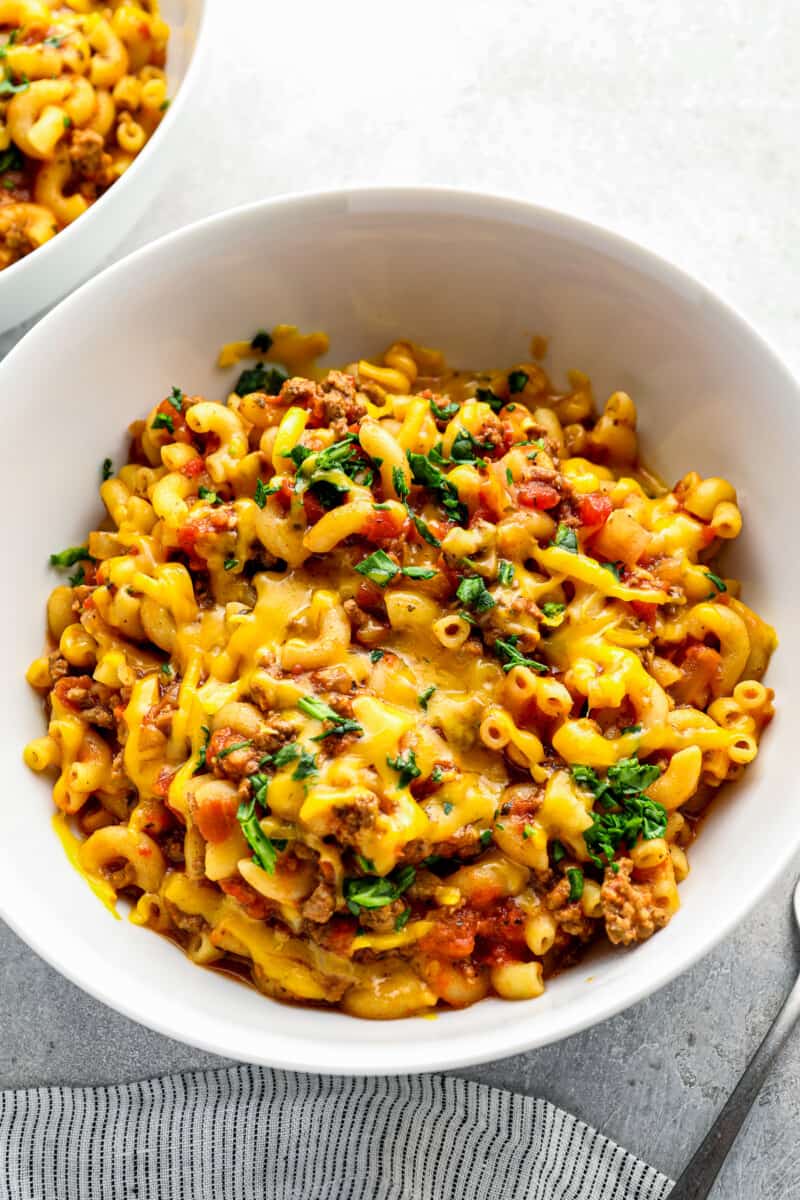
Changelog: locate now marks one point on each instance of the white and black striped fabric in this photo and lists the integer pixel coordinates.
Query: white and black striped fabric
(247, 1134)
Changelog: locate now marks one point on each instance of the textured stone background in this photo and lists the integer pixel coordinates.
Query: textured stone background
(675, 124)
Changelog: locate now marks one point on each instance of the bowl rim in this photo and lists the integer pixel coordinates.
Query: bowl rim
(43, 253)
(294, 1052)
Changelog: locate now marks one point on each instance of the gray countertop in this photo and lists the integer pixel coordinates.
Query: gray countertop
(675, 124)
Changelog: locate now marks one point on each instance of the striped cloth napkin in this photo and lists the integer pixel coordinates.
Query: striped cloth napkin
(245, 1134)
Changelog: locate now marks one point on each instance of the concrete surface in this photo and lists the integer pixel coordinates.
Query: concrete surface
(675, 124)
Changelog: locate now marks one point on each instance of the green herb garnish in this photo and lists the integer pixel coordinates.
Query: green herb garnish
(208, 494)
(401, 920)
(262, 341)
(201, 753)
(406, 765)
(505, 572)
(230, 564)
(235, 746)
(163, 421)
(566, 539)
(473, 592)
(264, 850)
(507, 651)
(622, 812)
(446, 411)
(575, 877)
(376, 655)
(425, 696)
(175, 398)
(517, 381)
(379, 568)
(375, 891)
(551, 608)
(306, 765)
(261, 378)
(487, 396)
(70, 556)
(718, 583)
(107, 469)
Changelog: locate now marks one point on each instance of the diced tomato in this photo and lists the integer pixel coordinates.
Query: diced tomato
(254, 904)
(594, 509)
(369, 596)
(490, 501)
(313, 509)
(453, 936)
(216, 817)
(187, 538)
(284, 495)
(383, 526)
(535, 494)
(162, 783)
(701, 666)
(194, 467)
(645, 612)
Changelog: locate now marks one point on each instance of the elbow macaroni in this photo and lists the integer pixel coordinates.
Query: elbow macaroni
(398, 685)
(87, 90)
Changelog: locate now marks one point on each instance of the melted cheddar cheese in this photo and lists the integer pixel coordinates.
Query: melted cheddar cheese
(392, 682)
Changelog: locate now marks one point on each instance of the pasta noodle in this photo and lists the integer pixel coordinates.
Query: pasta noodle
(374, 687)
(82, 89)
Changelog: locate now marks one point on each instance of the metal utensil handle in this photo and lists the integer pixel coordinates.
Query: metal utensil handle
(697, 1180)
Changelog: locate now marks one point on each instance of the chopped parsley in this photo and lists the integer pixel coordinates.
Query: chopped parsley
(512, 657)
(485, 838)
(487, 396)
(306, 765)
(631, 729)
(208, 494)
(401, 920)
(163, 421)
(446, 411)
(718, 583)
(622, 812)
(175, 398)
(230, 564)
(557, 851)
(473, 592)
(261, 378)
(233, 747)
(426, 473)
(614, 568)
(509, 477)
(419, 572)
(344, 725)
(376, 891)
(264, 491)
(366, 864)
(425, 696)
(465, 446)
(552, 608)
(399, 482)
(107, 469)
(70, 556)
(406, 765)
(79, 577)
(312, 706)
(575, 877)
(286, 754)
(423, 531)
(262, 341)
(517, 381)
(11, 159)
(437, 775)
(447, 807)
(527, 832)
(375, 655)
(379, 568)
(264, 850)
(201, 753)
(166, 669)
(66, 122)
(505, 572)
(566, 539)
(7, 88)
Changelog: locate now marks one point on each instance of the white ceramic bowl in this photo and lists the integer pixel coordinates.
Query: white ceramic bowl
(66, 260)
(476, 276)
